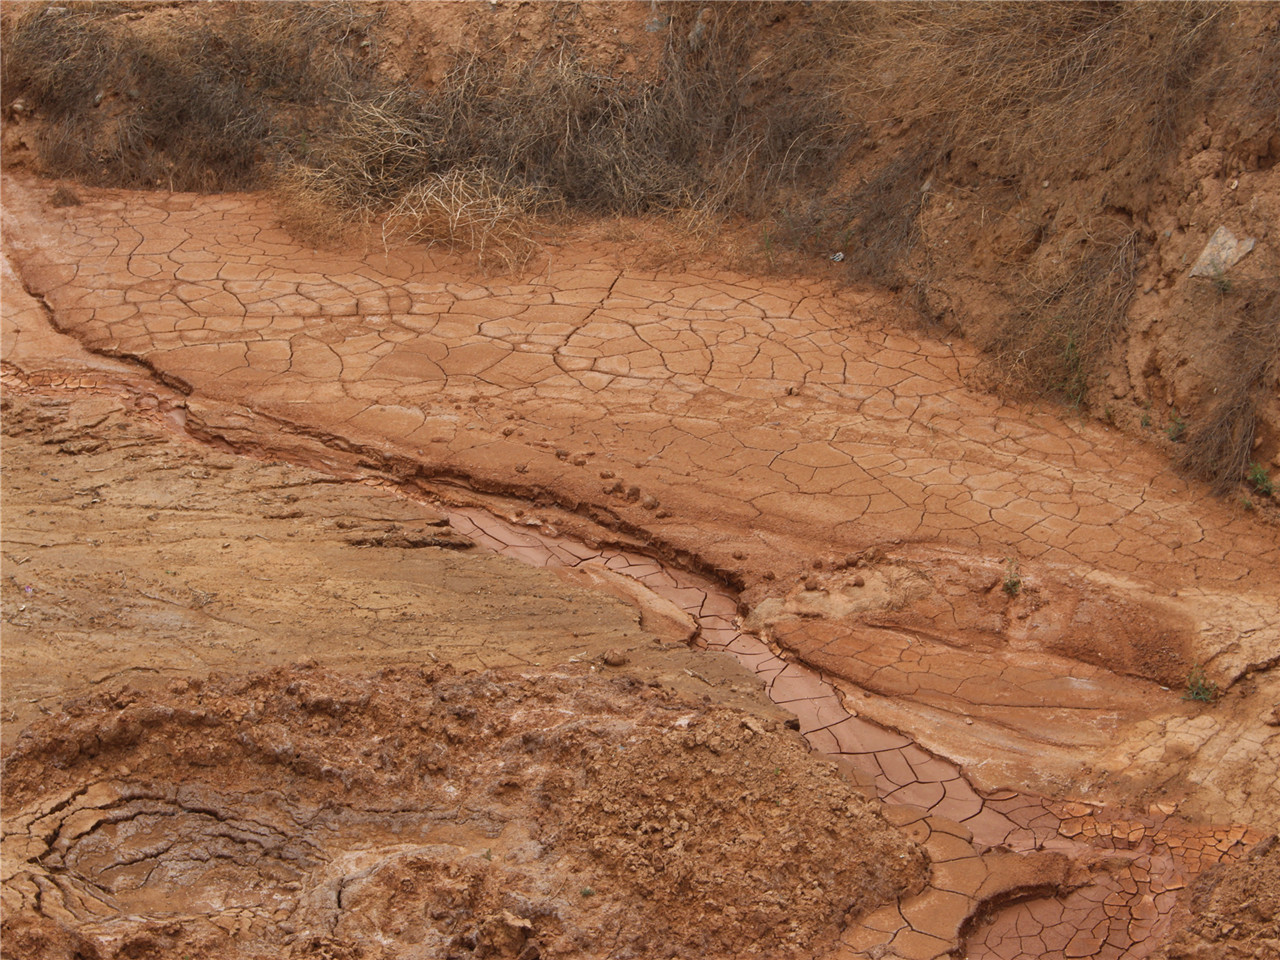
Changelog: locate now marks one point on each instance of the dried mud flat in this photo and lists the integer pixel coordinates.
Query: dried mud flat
(783, 461)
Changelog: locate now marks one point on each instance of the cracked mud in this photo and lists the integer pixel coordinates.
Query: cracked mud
(770, 469)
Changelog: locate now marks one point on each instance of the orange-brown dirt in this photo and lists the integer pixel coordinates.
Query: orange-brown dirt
(1234, 910)
(1047, 659)
(419, 812)
(134, 554)
(1017, 704)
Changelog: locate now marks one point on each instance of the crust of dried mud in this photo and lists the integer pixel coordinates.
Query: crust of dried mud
(305, 809)
(383, 567)
(422, 812)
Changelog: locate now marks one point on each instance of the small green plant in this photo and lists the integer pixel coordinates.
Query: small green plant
(1199, 687)
(1260, 479)
(1177, 429)
(1146, 421)
(1012, 578)
(1246, 502)
(1221, 282)
(588, 892)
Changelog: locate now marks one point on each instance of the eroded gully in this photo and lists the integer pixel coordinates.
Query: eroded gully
(1118, 909)
(1015, 875)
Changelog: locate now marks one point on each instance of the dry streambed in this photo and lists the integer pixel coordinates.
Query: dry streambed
(177, 814)
(136, 803)
(320, 562)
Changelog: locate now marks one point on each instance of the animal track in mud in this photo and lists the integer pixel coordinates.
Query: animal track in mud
(437, 814)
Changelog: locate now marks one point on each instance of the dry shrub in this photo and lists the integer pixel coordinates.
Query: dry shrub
(380, 166)
(724, 123)
(680, 139)
(183, 130)
(685, 138)
(1064, 332)
(311, 208)
(56, 62)
(468, 208)
(296, 53)
(378, 148)
(982, 99)
(882, 216)
(1245, 367)
(180, 107)
(1061, 85)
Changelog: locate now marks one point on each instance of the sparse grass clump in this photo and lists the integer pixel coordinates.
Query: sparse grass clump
(380, 167)
(1012, 584)
(1199, 687)
(1261, 480)
(58, 62)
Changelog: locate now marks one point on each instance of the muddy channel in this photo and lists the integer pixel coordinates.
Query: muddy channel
(477, 647)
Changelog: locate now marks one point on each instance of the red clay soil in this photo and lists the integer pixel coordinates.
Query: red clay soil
(1004, 606)
(530, 813)
(766, 431)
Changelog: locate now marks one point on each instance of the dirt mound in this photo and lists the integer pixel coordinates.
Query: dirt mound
(416, 813)
(1235, 910)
